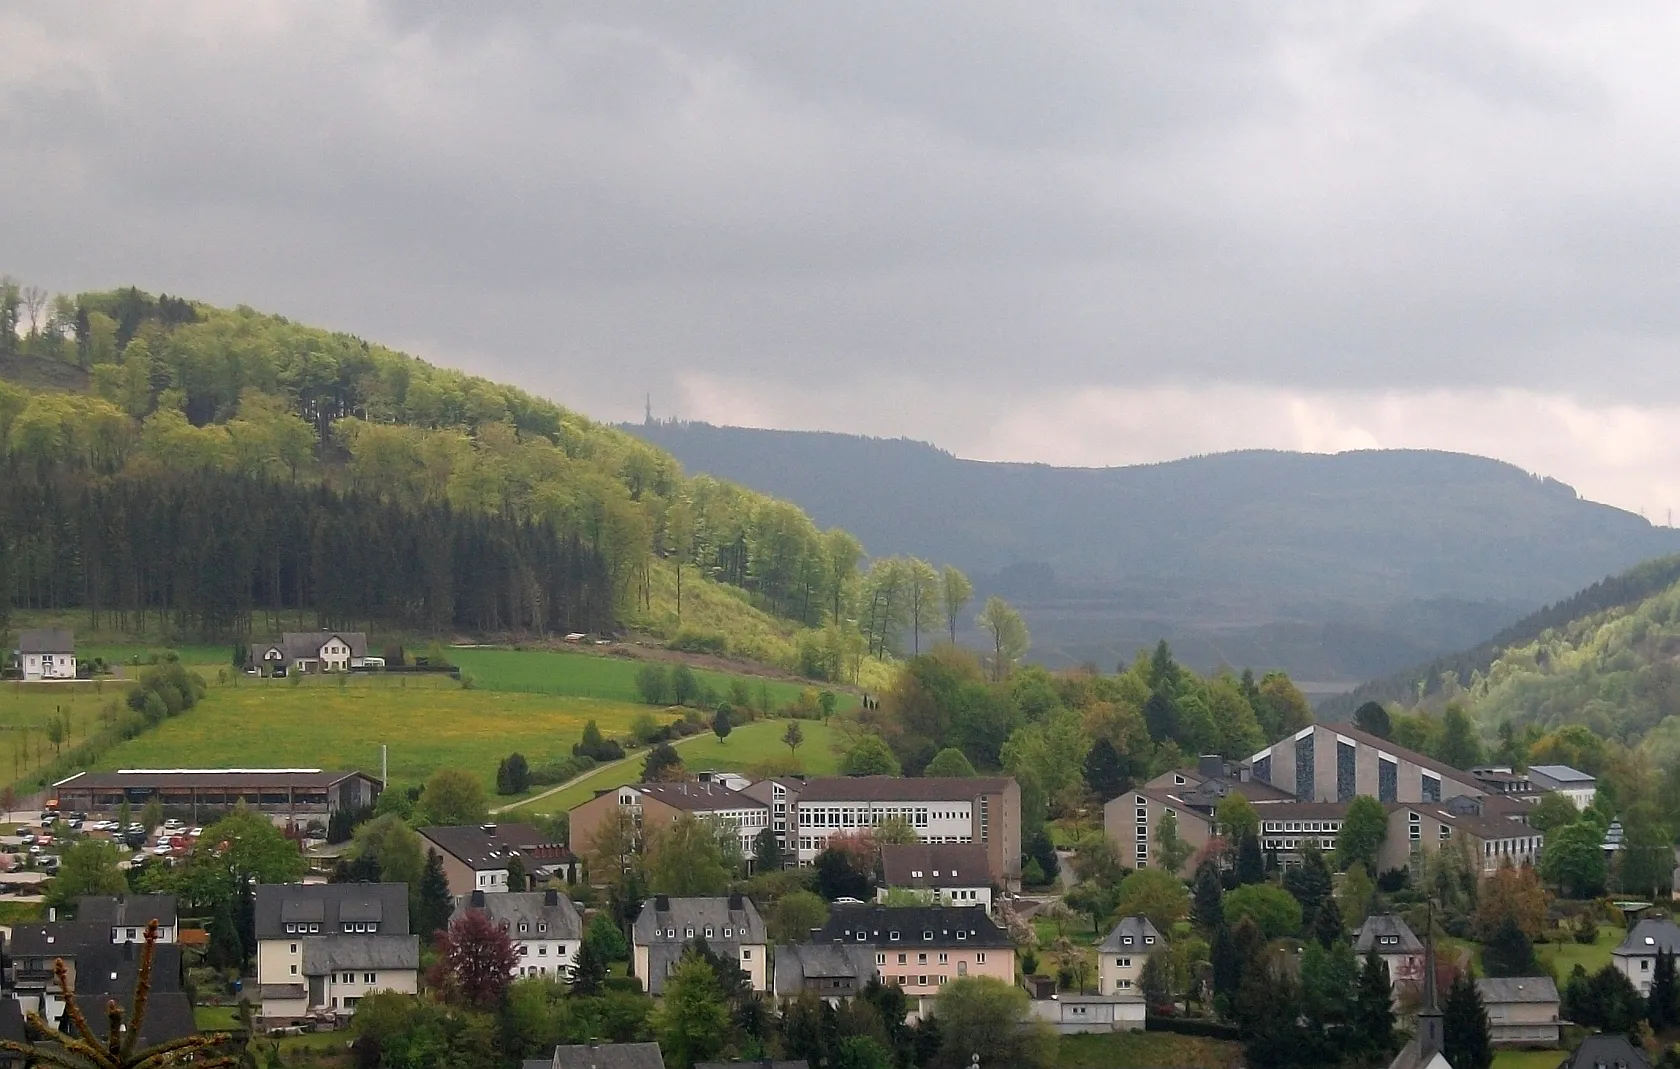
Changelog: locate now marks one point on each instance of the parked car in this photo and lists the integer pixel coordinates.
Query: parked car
(26, 838)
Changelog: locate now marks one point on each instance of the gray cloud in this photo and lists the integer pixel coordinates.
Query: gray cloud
(1297, 199)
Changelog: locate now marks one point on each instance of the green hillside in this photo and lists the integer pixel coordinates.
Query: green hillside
(170, 468)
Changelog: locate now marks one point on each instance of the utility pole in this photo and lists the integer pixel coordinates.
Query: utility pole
(384, 766)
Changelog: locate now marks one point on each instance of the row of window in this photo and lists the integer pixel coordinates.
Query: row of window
(944, 959)
(688, 933)
(1304, 825)
(350, 978)
(542, 950)
(819, 842)
(348, 928)
(838, 816)
(1296, 844)
(927, 936)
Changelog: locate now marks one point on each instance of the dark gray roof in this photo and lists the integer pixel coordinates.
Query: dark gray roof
(116, 967)
(355, 952)
(1608, 1051)
(480, 849)
(1518, 989)
(801, 961)
(125, 911)
(1561, 774)
(1138, 929)
(700, 797)
(277, 779)
(935, 865)
(283, 991)
(901, 789)
(169, 1014)
(278, 903)
(761, 1064)
(48, 640)
(609, 1056)
(543, 920)
(57, 939)
(11, 1020)
(1650, 935)
(1385, 924)
(914, 925)
(306, 645)
(681, 914)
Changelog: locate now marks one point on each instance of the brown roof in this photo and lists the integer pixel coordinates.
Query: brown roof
(762, 790)
(238, 779)
(901, 789)
(935, 865)
(1261, 792)
(699, 797)
(489, 846)
(1480, 827)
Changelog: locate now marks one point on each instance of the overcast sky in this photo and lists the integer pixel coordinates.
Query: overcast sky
(1083, 234)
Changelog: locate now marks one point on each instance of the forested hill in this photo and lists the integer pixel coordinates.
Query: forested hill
(163, 459)
(1349, 566)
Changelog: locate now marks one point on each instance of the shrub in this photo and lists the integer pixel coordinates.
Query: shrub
(695, 641)
(566, 768)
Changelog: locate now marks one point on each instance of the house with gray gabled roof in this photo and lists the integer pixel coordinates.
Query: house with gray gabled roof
(833, 970)
(731, 927)
(310, 651)
(45, 654)
(1636, 957)
(1521, 1009)
(1395, 943)
(128, 915)
(1607, 1052)
(608, 1056)
(1120, 957)
(544, 926)
(325, 946)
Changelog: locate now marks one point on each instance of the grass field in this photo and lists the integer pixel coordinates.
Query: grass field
(428, 724)
(593, 676)
(746, 746)
(1147, 1050)
(1563, 957)
(1528, 1059)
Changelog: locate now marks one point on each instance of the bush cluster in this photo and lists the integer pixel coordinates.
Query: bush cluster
(691, 640)
(165, 689)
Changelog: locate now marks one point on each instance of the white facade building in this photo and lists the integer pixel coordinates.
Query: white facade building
(43, 655)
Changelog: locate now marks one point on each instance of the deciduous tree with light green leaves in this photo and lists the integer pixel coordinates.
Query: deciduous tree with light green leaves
(956, 592)
(950, 763)
(1158, 895)
(1363, 830)
(1171, 852)
(1007, 633)
(453, 797)
(692, 1021)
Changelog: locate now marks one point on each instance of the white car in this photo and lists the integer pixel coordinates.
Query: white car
(161, 849)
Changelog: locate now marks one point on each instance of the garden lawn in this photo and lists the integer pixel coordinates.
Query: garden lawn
(428, 722)
(593, 676)
(1148, 1050)
(25, 709)
(1528, 1059)
(747, 745)
(216, 1018)
(1563, 957)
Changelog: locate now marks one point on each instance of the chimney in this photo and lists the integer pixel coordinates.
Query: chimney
(735, 902)
(662, 903)
(551, 897)
(478, 899)
(488, 829)
(1210, 765)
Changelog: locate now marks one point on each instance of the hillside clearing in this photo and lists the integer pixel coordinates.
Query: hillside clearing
(746, 746)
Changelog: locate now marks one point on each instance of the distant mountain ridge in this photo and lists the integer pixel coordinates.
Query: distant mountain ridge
(1334, 566)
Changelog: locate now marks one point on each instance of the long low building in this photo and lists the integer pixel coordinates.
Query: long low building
(198, 795)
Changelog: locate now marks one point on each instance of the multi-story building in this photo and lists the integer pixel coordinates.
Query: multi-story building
(1120, 957)
(324, 946)
(1521, 1009)
(1335, 762)
(1577, 786)
(667, 926)
(781, 795)
(1287, 828)
(985, 810)
(1396, 944)
(128, 915)
(545, 927)
(1191, 796)
(653, 805)
(946, 874)
(1488, 842)
(1636, 956)
(295, 796)
(923, 948)
(1505, 780)
(476, 856)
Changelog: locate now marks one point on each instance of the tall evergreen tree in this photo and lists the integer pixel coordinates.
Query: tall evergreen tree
(1660, 1006)
(1106, 772)
(1227, 969)
(1327, 925)
(1508, 951)
(432, 904)
(1468, 1035)
(226, 951)
(1251, 863)
(1207, 906)
(590, 969)
(1373, 1007)
(245, 920)
(1309, 881)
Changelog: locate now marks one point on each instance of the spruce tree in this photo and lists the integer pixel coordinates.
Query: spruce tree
(1310, 882)
(1227, 969)
(1207, 907)
(1373, 1007)
(590, 969)
(226, 951)
(1660, 1007)
(1467, 1040)
(1251, 864)
(245, 921)
(1327, 923)
(432, 904)
(1508, 951)
(1105, 771)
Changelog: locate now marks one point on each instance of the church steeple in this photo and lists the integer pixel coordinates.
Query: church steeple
(1431, 1027)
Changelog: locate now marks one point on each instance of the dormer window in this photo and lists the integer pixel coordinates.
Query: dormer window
(542, 926)
(729, 933)
(1126, 939)
(522, 928)
(927, 936)
(1148, 940)
(708, 931)
(962, 935)
(689, 933)
(862, 936)
(670, 933)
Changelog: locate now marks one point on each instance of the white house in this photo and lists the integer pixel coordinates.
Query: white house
(49, 654)
(1121, 956)
(325, 946)
(127, 915)
(544, 926)
(1572, 783)
(1636, 957)
(311, 651)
